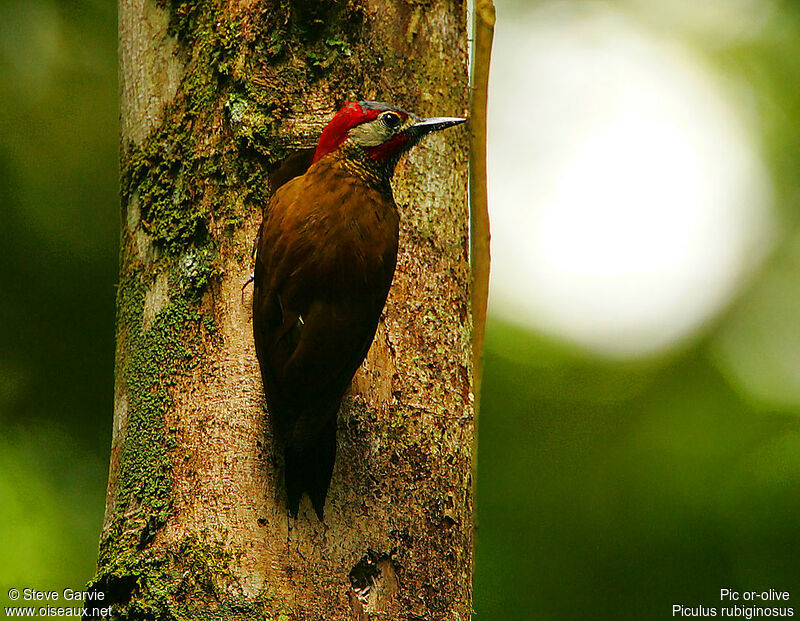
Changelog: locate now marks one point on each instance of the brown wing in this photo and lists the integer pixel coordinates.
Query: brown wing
(324, 265)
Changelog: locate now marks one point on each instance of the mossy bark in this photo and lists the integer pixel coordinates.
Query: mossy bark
(215, 95)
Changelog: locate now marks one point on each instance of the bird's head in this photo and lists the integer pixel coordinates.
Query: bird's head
(380, 131)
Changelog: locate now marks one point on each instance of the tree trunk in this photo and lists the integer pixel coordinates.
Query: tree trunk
(215, 95)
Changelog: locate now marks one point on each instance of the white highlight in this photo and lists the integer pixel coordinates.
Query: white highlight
(627, 198)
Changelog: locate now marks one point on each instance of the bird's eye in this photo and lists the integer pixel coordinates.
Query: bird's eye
(391, 120)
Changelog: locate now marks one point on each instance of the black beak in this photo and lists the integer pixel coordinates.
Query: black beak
(434, 124)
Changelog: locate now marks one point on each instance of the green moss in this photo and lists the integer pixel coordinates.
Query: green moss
(252, 124)
(161, 173)
(213, 41)
(254, 53)
(197, 267)
(244, 66)
(184, 581)
(155, 356)
(180, 186)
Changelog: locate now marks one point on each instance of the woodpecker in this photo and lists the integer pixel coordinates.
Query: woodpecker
(325, 259)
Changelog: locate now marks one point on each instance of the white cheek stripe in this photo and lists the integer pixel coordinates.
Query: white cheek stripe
(370, 134)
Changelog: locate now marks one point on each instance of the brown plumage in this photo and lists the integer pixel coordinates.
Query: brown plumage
(325, 260)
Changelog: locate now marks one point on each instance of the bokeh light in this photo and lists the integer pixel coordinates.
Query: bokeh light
(628, 194)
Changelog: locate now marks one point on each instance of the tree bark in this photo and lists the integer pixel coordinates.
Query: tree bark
(215, 96)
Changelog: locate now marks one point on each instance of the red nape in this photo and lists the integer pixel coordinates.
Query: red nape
(388, 149)
(335, 132)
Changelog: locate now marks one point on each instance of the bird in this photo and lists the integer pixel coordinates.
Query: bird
(325, 259)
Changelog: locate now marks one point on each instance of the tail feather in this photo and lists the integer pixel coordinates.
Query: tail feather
(308, 468)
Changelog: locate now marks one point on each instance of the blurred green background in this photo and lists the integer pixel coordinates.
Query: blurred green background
(613, 481)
